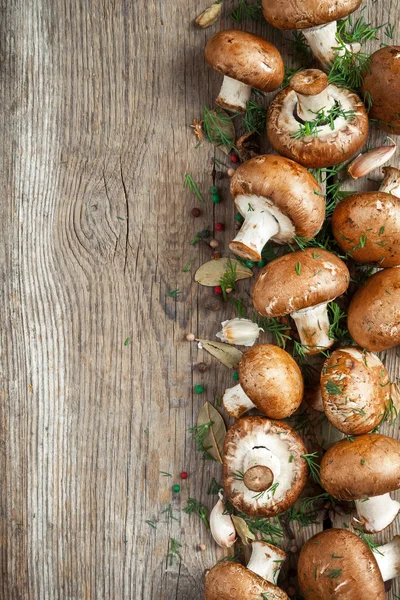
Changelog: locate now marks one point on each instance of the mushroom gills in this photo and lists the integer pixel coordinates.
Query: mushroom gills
(236, 402)
(376, 513)
(324, 45)
(388, 559)
(266, 561)
(234, 95)
(313, 327)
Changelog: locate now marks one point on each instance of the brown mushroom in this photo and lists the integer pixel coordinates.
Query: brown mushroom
(355, 390)
(367, 225)
(270, 380)
(301, 284)
(337, 564)
(382, 83)
(315, 123)
(278, 199)
(247, 61)
(365, 469)
(264, 468)
(317, 20)
(373, 317)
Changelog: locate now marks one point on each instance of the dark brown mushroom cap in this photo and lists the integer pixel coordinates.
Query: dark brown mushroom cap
(299, 280)
(247, 58)
(366, 466)
(382, 82)
(242, 437)
(374, 313)
(336, 564)
(355, 389)
(330, 147)
(272, 380)
(303, 14)
(367, 226)
(232, 581)
(290, 187)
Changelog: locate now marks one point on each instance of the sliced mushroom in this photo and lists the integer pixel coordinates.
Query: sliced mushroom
(264, 468)
(278, 199)
(365, 469)
(247, 61)
(340, 137)
(301, 284)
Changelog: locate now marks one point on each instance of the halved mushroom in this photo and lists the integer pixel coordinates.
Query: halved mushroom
(270, 380)
(264, 468)
(367, 225)
(233, 581)
(278, 199)
(315, 123)
(382, 83)
(365, 469)
(337, 564)
(301, 284)
(373, 317)
(355, 389)
(247, 61)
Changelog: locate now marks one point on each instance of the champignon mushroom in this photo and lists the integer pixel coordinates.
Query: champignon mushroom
(373, 317)
(355, 390)
(247, 61)
(315, 123)
(365, 469)
(382, 84)
(317, 20)
(337, 564)
(367, 225)
(278, 199)
(301, 284)
(270, 380)
(233, 581)
(264, 468)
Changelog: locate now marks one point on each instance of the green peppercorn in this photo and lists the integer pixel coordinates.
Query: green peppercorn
(216, 198)
(176, 488)
(261, 263)
(249, 263)
(236, 375)
(198, 389)
(239, 218)
(213, 189)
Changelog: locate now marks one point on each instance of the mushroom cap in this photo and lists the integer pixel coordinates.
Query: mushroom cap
(247, 58)
(329, 147)
(303, 14)
(299, 280)
(232, 581)
(361, 468)
(286, 185)
(373, 317)
(272, 380)
(355, 390)
(251, 432)
(336, 564)
(382, 81)
(367, 226)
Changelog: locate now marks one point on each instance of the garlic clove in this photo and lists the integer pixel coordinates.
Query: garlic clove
(209, 16)
(241, 332)
(367, 162)
(221, 525)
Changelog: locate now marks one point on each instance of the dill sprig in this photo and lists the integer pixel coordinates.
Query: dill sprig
(174, 551)
(169, 511)
(373, 546)
(199, 509)
(301, 50)
(337, 317)
(391, 413)
(188, 266)
(191, 184)
(279, 330)
(255, 117)
(246, 10)
(334, 573)
(240, 307)
(217, 127)
(321, 119)
(173, 293)
(213, 488)
(199, 434)
(313, 465)
(348, 68)
(228, 279)
(271, 532)
(333, 388)
(358, 31)
(152, 524)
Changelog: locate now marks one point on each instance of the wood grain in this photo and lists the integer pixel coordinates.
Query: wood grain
(97, 378)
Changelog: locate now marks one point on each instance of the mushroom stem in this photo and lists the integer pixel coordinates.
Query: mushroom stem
(391, 181)
(266, 560)
(388, 559)
(261, 467)
(376, 513)
(313, 328)
(234, 95)
(324, 45)
(236, 402)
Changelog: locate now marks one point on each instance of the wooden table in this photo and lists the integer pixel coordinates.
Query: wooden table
(97, 377)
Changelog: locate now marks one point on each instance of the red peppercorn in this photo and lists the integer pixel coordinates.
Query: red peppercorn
(218, 289)
(234, 158)
(219, 226)
(183, 475)
(196, 212)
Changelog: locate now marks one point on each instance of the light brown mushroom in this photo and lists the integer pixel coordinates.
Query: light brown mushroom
(365, 469)
(264, 468)
(269, 380)
(301, 284)
(382, 83)
(337, 564)
(278, 199)
(247, 61)
(317, 20)
(373, 317)
(343, 127)
(355, 389)
(367, 225)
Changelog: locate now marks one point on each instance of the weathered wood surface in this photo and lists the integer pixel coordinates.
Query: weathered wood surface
(97, 99)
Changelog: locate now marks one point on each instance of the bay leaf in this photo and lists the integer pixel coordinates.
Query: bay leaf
(225, 353)
(215, 436)
(211, 272)
(242, 529)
